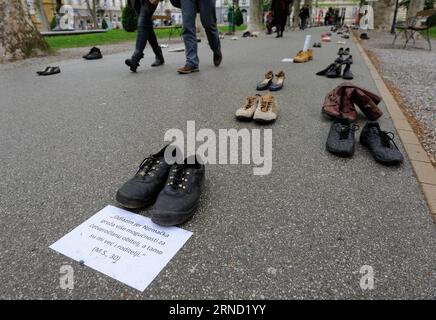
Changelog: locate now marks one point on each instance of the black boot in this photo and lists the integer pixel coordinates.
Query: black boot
(347, 74)
(335, 71)
(133, 62)
(159, 58)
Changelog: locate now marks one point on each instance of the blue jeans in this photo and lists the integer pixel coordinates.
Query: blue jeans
(208, 20)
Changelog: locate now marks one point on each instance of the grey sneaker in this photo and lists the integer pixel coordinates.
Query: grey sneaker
(246, 112)
(266, 110)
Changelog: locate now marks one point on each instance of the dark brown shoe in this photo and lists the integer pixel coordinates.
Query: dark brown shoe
(348, 111)
(368, 104)
(217, 58)
(187, 69)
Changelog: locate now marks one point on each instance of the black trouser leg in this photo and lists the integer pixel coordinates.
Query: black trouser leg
(145, 29)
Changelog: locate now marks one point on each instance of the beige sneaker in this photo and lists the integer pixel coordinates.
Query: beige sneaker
(266, 110)
(246, 112)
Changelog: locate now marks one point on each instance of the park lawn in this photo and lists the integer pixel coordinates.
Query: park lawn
(110, 37)
(433, 32)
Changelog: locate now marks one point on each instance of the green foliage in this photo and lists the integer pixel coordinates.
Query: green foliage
(129, 19)
(266, 5)
(239, 19)
(53, 23)
(104, 24)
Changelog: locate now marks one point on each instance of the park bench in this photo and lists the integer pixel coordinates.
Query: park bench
(421, 23)
(172, 28)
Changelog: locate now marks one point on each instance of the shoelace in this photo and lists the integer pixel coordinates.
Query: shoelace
(250, 102)
(386, 138)
(265, 105)
(147, 166)
(177, 177)
(344, 129)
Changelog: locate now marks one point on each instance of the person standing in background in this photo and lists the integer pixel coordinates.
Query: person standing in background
(280, 9)
(207, 9)
(145, 10)
(304, 15)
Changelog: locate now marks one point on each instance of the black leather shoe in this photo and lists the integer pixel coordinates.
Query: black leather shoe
(179, 199)
(324, 71)
(381, 144)
(133, 62)
(141, 190)
(158, 62)
(347, 74)
(340, 140)
(335, 71)
(50, 71)
(93, 54)
(340, 51)
(217, 58)
(159, 58)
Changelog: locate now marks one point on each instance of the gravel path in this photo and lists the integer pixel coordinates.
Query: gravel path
(413, 72)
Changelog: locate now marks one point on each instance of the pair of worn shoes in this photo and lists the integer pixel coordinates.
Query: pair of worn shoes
(303, 56)
(268, 83)
(49, 71)
(93, 54)
(262, 109)
(173, 190)
(380, 143)
(334, 70)
(317, 45)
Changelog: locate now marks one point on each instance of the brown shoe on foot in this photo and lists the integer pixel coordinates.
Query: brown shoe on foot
(187, 69)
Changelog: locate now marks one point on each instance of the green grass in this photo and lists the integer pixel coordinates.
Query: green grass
(110, 37)
(433, 32)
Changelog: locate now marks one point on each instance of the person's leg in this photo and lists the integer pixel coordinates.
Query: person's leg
(208, 20)
(149, 30)
(278, 24)
(189, 12)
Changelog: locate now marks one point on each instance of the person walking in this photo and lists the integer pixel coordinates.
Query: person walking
(145, 10)
(280, 9)
(208, 20)
(304, 15)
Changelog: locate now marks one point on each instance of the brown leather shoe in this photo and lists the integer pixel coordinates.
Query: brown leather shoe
(368, 104)
(217, 58)
(348, 111)
(187, 69)
(331, 103)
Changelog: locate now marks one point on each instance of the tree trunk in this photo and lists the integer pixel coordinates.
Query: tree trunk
(414, 7)
(41, 13)
(19, 38)
(256, 15)
(92, 8)
(296, 17)
(383, 14)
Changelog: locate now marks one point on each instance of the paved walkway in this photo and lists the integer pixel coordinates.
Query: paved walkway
(304, 231)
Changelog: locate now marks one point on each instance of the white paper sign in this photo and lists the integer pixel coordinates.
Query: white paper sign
(125, 246)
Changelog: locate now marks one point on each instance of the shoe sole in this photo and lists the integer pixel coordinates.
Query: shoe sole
(172, 218)
(188, 72)
(242, 118)
(262, 121)
(133, 204)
